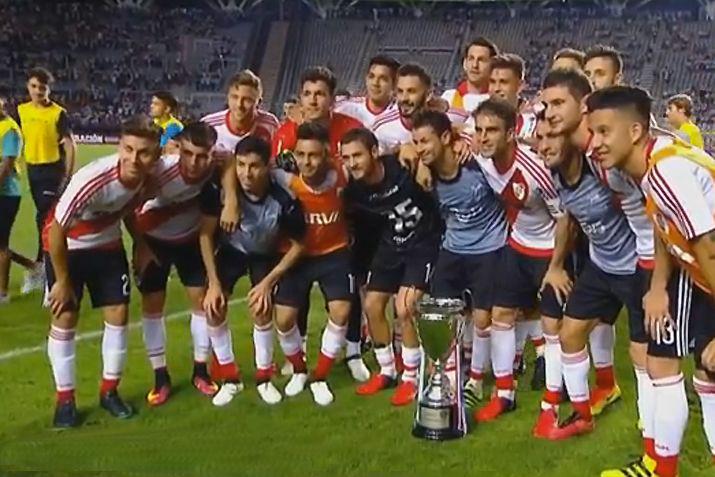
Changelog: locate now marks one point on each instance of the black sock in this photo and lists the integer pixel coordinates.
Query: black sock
(201, 370)
(161, 377)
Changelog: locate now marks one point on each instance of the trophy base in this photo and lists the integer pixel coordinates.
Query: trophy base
(437, 424)
(436, 434)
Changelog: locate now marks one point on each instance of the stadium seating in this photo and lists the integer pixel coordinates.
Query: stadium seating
(106, 70)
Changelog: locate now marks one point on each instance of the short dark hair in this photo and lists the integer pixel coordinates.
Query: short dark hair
(361, 135)
(246, 78)
(509, 61)
(605, 51)
(292, 99)
(199, 134)
(313, 131)
(41, 74)
(253, 145)
(413, 69)
(386, 61)
(684, 102)
(634, 99)
(167, 98)
(571, 53)
(438, 121)
(484, 43)
(500, 108)
(319, 73)
(141, 125)
(575, 81)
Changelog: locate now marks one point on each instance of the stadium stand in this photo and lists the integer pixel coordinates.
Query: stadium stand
(106, 70)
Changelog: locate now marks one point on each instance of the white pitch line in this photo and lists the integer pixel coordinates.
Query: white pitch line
(90, 335)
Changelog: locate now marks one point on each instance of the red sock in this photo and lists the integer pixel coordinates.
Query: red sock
(649, 447)
(583, 409)
(65, 396)
(505, 382)
(667, 466)
(298, 362)
(552, 397)
(228, 372)
(476, 375)
(264, 375)
(108, 385)
(605, 379)
(322, 370)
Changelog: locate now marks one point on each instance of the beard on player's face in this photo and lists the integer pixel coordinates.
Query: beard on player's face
(411, 105)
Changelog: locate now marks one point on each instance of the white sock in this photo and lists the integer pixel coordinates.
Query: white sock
(468, 340)
(602, 341)
(386, 359)
(333, 338)
(706, 391)
(576, 367)
(671, 414)
(263, 346)
(645, 401)
(221, 343)
(481, 349)
(154, 332)
(554, 371)
(61, 347)
(114, 351)
(352, 348)
(536, 335)
(411, 360)
(200, 337)
(521, 332)
(290, 341)
(503, 349)
(396, 334)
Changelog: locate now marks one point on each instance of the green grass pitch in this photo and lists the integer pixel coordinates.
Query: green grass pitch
(189, 437)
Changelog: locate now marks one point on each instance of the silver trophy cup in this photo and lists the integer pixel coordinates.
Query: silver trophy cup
(440, 413)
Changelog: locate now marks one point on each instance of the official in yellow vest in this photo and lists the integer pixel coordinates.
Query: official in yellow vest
(49, 153)
(678, 181)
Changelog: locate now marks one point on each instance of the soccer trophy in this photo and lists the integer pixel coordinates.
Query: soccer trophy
(440, 413)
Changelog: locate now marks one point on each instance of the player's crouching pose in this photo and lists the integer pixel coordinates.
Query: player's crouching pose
(165, 231)
(83, 239)
(270, 213)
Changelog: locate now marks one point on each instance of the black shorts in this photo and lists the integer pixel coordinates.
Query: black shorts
(45, 183)
(456, 274)
(233, 264)
(105, 273)
(332, 272)
(518, 281)
(600, 295)
(185, 256)
(692, 312)
(392, 269)
(9, 205)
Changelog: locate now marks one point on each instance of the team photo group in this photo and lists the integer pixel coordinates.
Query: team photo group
(541, 219)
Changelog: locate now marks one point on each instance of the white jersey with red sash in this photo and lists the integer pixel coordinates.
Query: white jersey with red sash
(680, 193)
(92, 206)
(532, 204)
(173, 213)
